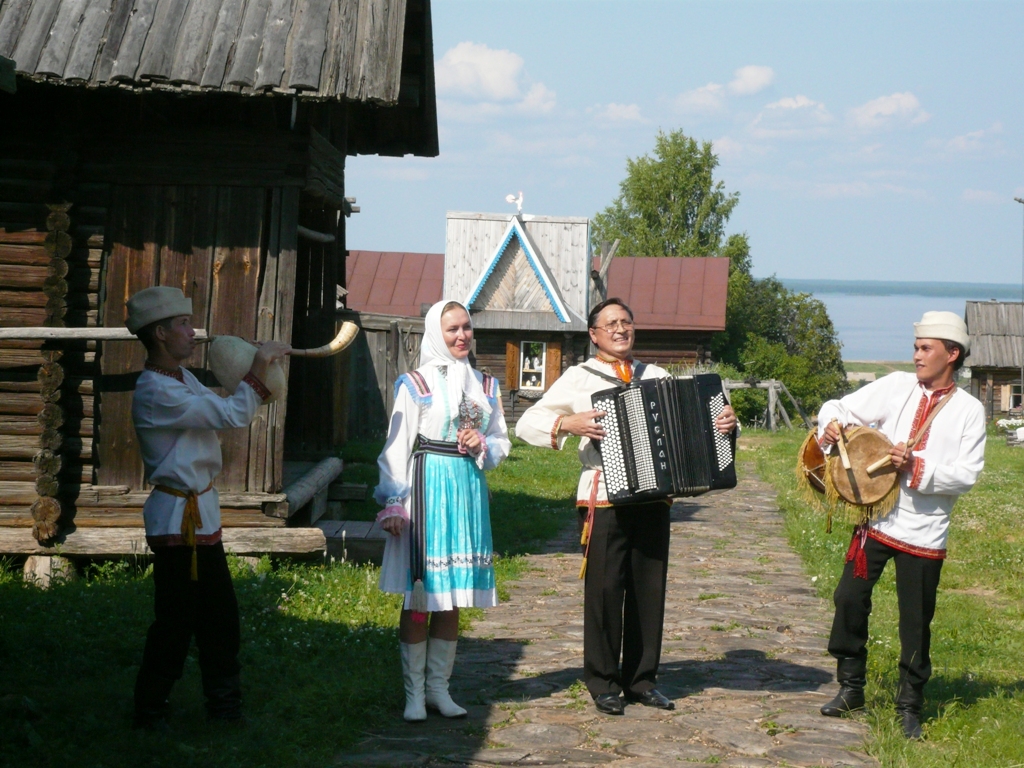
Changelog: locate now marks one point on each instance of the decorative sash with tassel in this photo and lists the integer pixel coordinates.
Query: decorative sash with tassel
(417, 518)
(190, 519)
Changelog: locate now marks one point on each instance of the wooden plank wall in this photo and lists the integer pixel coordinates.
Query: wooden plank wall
(312, 427)
(385, 348)
(232, 249)
(471, 240)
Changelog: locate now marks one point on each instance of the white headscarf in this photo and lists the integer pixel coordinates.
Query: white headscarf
(434, 353)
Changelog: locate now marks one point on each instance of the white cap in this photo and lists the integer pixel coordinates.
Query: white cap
(948, 326)
(157, 303)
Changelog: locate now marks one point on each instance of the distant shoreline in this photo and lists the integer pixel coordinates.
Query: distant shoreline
(970, 291)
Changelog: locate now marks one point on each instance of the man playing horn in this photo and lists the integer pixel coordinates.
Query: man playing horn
(624, 594)
(945, 461)
(176, 419)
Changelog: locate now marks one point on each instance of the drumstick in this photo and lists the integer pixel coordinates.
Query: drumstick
(916, 438)
(841, 443)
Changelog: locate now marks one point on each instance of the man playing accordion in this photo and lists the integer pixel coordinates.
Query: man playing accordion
(945, 461)
(624, 604)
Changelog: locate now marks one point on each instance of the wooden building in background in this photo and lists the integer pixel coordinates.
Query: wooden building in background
(678, 305)
(525, 281)
(996, 330)
(195, 144)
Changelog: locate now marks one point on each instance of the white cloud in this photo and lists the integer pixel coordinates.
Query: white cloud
(481, 82)
(617, 113)
(983, 196)
(704, 100)
(975, 140)
(792, 117)
(539, 100)
(897, 109)
(727, 148)
(473, 70)
(751, 79)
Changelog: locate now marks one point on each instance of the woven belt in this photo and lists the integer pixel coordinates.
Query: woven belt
(190, 519)
(417, 516)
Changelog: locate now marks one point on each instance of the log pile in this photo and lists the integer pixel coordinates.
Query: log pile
(46, 387)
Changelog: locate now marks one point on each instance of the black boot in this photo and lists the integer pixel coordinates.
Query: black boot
(851, 673)
(909, 700)
(151, 701)
(223, 697)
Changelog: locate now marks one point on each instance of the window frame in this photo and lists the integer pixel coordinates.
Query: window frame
(525, 370)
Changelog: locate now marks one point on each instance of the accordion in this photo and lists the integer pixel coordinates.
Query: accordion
(660, 439)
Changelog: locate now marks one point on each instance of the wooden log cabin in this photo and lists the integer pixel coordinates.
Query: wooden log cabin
(996, 358)
(186, 143)
(525, 280)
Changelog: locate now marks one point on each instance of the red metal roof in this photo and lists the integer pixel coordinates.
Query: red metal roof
(672, 293)
(393, 283)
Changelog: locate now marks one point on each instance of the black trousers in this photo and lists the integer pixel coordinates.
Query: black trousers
(206, 608)
(917, 581)
(624, 603)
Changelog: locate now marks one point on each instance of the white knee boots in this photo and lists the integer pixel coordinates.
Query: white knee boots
(414, 667)
(440, 660)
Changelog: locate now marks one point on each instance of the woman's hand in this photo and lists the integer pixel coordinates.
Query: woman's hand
(394, 525)
(726, 421)
(583, 424)
(470, 441)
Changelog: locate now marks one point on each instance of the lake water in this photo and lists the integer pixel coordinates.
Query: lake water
(875, 320)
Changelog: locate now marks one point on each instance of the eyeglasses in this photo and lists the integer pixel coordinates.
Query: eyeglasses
(619, 325)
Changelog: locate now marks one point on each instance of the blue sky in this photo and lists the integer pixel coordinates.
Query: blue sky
(871, 140)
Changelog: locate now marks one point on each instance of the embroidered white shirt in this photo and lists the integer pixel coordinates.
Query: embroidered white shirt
(948, 464)
(435, 418)
(568, 395)
(176, 423)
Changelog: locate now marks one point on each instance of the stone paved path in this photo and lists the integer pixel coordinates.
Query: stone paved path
(744, 659)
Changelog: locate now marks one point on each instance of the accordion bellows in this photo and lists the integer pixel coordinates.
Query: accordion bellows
(661, 439)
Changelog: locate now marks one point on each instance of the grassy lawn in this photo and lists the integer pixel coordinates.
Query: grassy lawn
(975, 700)
(319, 649)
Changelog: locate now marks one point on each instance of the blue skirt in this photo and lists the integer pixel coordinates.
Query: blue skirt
(459, 552)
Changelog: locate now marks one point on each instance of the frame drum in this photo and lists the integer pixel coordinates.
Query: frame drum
(855, 486)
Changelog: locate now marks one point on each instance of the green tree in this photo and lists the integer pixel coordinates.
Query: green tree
(669, 204)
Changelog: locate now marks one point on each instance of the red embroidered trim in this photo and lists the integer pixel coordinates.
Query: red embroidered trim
(605, 504)
(554, 432)
(623, 368)
(910, 549)
(918, 476)
(176, 375)
(257, 386)
(176, 539)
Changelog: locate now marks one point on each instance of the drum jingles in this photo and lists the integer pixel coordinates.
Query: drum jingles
(861, 485)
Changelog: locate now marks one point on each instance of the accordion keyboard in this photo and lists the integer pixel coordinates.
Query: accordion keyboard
(646, 479)
(723, 446)
(616, 477)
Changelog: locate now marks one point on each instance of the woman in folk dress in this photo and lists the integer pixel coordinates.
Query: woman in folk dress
(446, 428)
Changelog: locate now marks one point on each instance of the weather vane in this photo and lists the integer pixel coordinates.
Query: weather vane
(517, 200)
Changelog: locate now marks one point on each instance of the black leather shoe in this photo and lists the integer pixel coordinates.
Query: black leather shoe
(848, 699)
(651, 698)
(608, 703)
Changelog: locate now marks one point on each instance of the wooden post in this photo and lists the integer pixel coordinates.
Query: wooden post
(773, 400)
(43, 570)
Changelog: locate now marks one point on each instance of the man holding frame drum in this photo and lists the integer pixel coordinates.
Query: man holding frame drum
(947, 455)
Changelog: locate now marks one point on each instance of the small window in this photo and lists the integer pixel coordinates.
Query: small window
(532, 361)
(1014, 396)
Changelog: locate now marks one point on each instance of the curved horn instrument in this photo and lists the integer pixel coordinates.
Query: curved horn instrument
(343, 339)
(231, 358)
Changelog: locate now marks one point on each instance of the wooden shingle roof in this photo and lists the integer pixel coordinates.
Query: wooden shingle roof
(325, 49)
(997, 334)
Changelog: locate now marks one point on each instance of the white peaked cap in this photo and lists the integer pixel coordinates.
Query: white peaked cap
(157, 303)
(948, 326)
